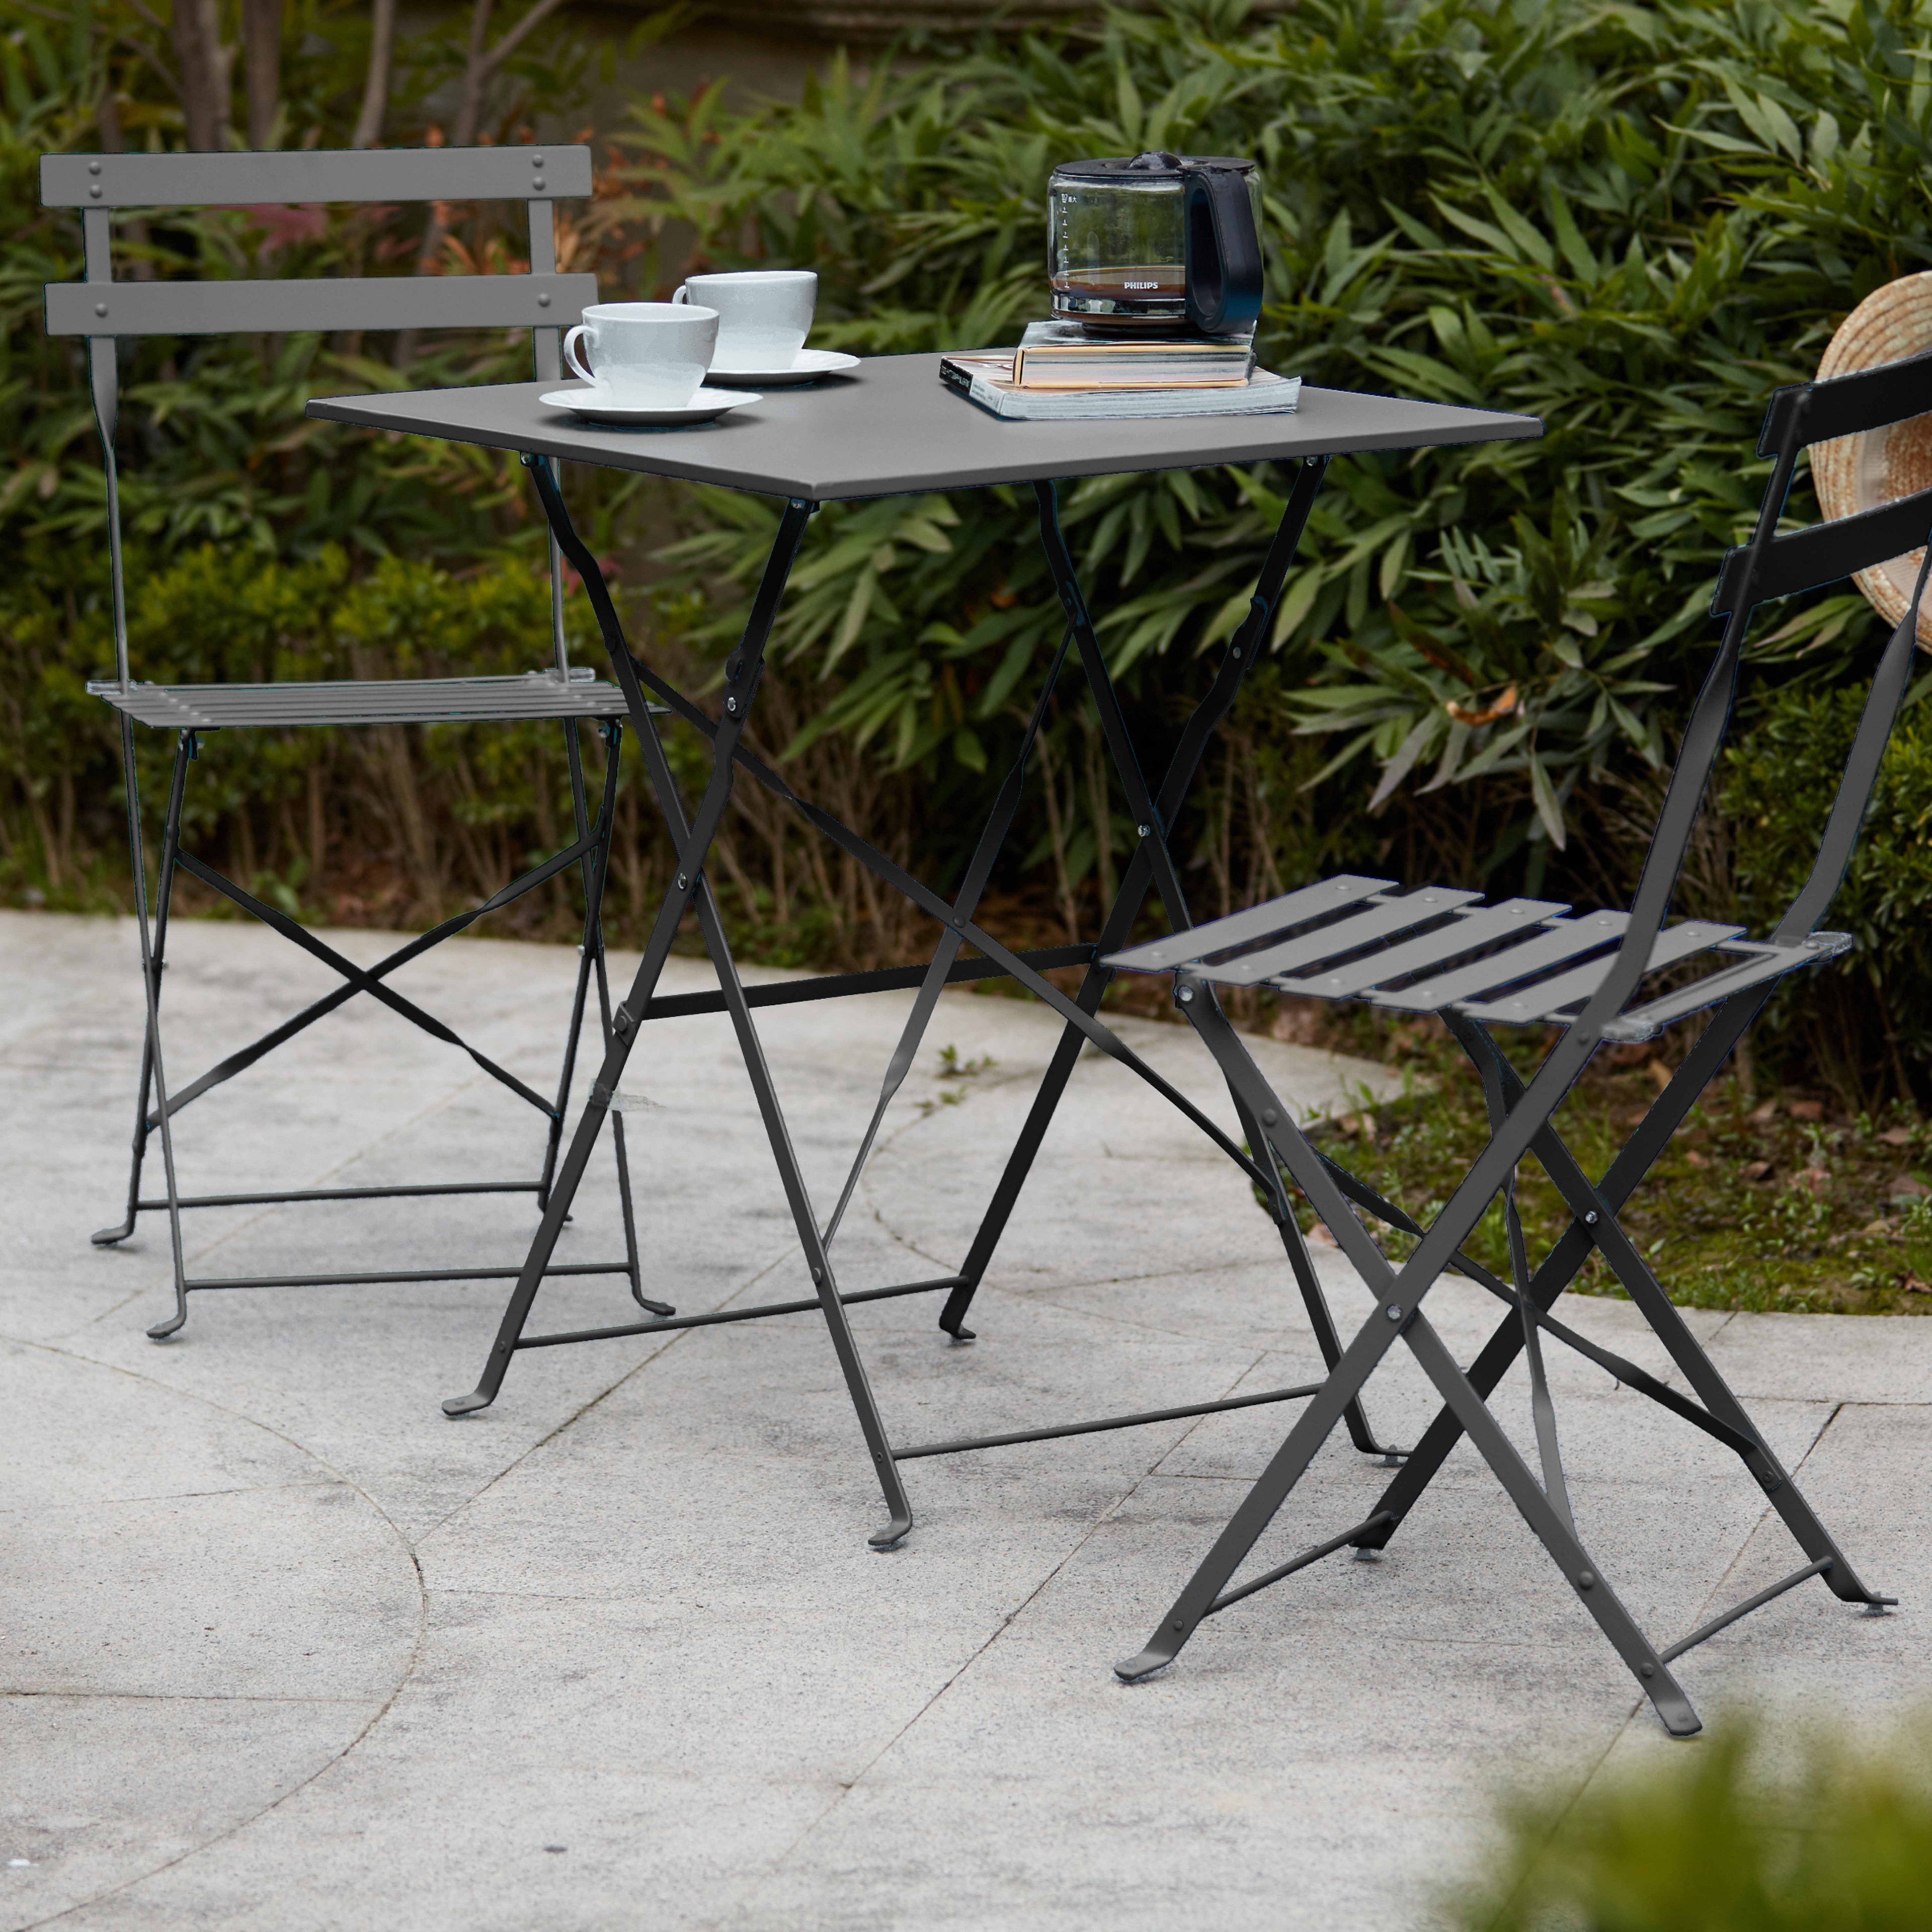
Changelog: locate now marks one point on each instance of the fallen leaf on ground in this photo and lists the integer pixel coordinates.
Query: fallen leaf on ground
(1318, 1237)
(1696, 1158)
(1878, 1227)
(1659, 1073)
(1912, 1284)
(1897, 1137)
(1817, 1179)
(1903, 1187)
(1766, 1114)
(1756, 1170)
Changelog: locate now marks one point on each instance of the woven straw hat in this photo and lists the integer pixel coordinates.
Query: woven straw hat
(1859, 472)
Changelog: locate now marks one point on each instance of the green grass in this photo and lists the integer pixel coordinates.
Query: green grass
(1768, 1203)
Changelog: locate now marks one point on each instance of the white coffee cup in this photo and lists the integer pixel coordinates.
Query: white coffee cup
(763, 314)
(645, 355)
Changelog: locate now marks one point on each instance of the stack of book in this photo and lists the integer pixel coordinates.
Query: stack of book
(1062, 373)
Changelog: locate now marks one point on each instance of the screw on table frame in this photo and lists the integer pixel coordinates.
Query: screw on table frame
(589, 850)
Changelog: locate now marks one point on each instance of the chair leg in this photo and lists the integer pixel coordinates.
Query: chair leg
(1497, 1076)
(150, 985)
(1639, 1154)
(106, 1237)
(1634, 1273)
(1204, 1595)
(1554, 1532)
(1321, 1318)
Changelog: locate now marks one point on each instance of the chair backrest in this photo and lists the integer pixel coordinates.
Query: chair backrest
(1768, 567)
(100, 308)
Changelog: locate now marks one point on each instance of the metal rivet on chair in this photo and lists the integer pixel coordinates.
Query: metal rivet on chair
(1269, 1116)
(538, 182)
(94, 167)
(93, 189)
(1586, 1580)
(100, 308)
(543, 295)
(1394, 1311)
(536, 160)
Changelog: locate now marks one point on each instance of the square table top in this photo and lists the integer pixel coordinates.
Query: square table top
(892, 428)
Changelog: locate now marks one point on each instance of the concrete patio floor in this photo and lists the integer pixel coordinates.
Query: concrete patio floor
(285, 1647)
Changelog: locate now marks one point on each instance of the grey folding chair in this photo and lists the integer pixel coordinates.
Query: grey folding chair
(101, 309)
(1530, 962)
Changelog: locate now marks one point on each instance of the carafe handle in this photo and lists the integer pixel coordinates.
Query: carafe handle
(1223, 252)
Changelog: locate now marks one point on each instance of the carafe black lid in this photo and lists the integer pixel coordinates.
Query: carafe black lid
(1157, 164)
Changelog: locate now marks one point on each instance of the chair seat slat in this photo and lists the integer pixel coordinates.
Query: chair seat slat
(1381, 921)
(1560, 939)
(1240, 929)
(1480, 927)
(1545, 1002)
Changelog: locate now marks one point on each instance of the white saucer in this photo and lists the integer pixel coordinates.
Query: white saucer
(807, 366)
(705, 406)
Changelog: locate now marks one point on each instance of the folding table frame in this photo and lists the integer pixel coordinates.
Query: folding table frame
(1523, 963)
(100, 309)
(896, 430)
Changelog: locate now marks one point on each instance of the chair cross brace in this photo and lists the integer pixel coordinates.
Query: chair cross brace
(588, 850)
(693, 830)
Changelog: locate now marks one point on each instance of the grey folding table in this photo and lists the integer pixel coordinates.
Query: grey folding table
(892, 428)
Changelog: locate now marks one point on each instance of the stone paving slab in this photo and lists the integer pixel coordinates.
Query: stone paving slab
(284, 1646)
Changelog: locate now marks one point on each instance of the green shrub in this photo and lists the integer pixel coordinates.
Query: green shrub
(1873, 1008)
(1838, 1835)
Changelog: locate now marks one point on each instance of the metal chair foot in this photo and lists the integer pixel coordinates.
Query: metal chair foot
(1673, 1709)
(961, 1335)
(1137, 1670)
(663, 1310)
(467, 1405)
(893, 1535)
(161, 1330)
(106, 1237)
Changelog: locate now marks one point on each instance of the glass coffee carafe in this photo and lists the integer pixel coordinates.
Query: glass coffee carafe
(1155, 244)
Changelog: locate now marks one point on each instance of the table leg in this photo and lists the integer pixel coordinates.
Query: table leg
(1243, 649)
(741, 674)
(1153, 868)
